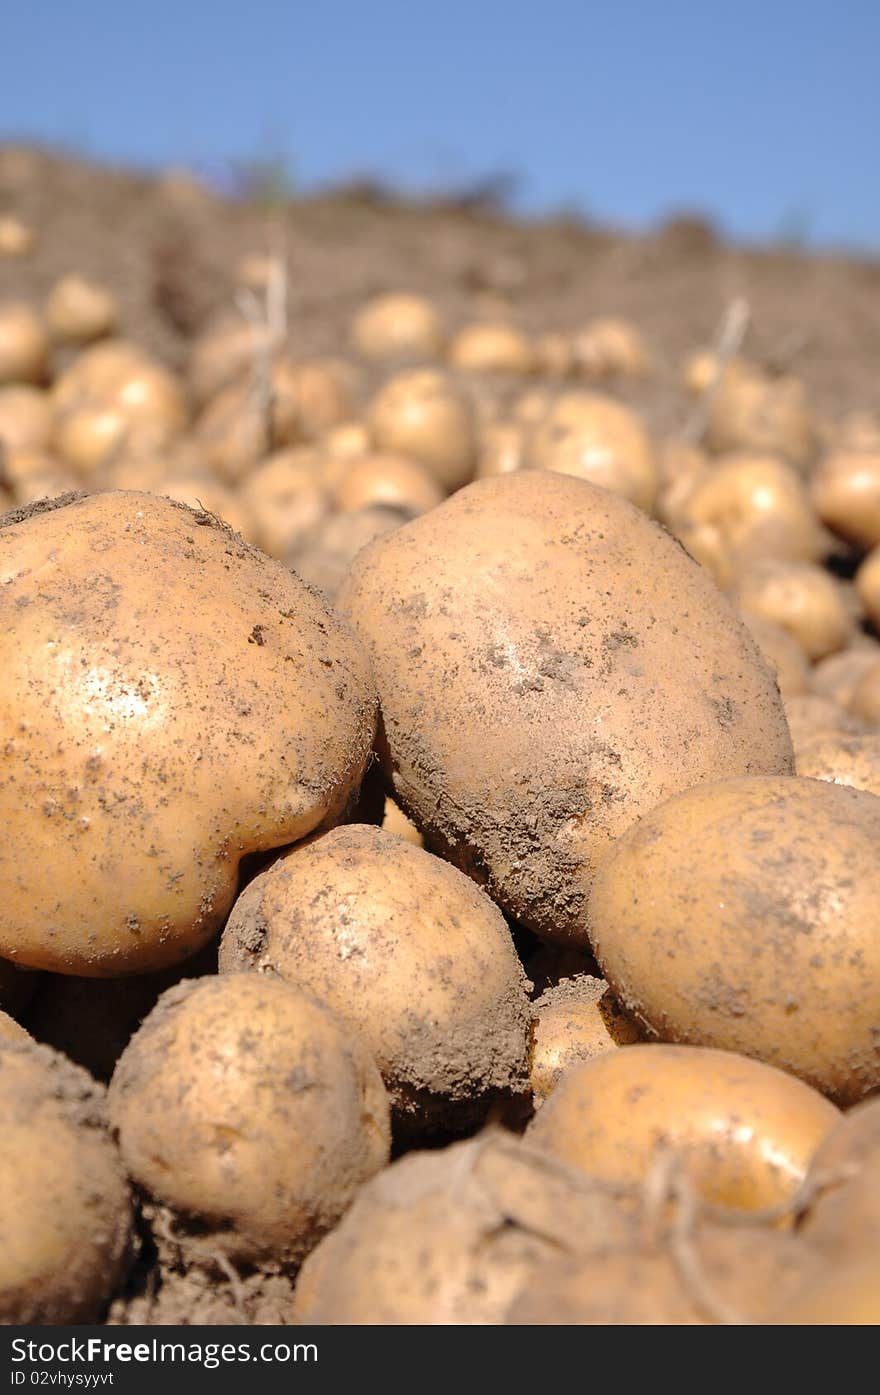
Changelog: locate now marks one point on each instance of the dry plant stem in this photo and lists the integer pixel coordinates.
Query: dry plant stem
(268, 322)
(685, 1255)
(728, 342)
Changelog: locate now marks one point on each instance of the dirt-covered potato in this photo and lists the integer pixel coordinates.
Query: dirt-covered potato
(574, 1021)
(802, 598)
(398, 326)
(409, 952)
(251, 1112)
(24, 344)
(842, 1216)
(387, 480)
(743, 1131)
(79, 311)
(451, 1237)
(10, 1030)
(750, 412)
(492, 348)
(65, 1216)
(174, 700)
(745, 915)
(865, 701)
(845, 490)
(596, 438)
(746, 508)
(286, 498)
(783, 653)
(844, 760)
(551, 665)
(394, 820)
(207, 495)
(728, 1275)
(422, 414)
(25, 418)
(812, 718)
(868, 586)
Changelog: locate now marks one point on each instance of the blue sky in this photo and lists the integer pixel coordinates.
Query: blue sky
(765, 115)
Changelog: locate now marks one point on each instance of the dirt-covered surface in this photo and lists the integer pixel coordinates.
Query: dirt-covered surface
(168, 249)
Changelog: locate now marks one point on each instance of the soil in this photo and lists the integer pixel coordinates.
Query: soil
(167, 248)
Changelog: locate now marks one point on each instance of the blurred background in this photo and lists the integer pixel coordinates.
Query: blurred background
(761, 116)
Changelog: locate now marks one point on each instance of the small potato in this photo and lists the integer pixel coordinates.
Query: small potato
(502, 449)
(451, 1237)
(35, 474)
(611, 348)
(386, 480)
(286, 499)
(702, 370)
(25, 418)
(65, 1215)
(79, 311)
(574, 1022)
(492, 348)
(398, 326)
(845, 490)
(745, 915)
(749, 412)
(394, 820)
(844, 760)
(17, 239)
(868, 586)
(743, 1131)
(224, 354)
(251, 1112)
(679, 466)
(842, 1217)
(324, 555)
(597, 439)
(409, 953)
(10, 1030)
(865, 701)
(744, 509)
(803, 599)
(837, 677)
(24, 344)
(784, 655)
(423, 414)
(812, 718)
(173, 701)
(347, 441)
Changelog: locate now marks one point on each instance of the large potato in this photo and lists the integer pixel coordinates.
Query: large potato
(746, 915)
(173, 700)
(551, 665)
(409, 952)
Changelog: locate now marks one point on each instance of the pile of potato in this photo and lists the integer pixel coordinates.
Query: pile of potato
(411, 755)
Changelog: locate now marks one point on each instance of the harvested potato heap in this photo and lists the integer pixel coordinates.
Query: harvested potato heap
(746, 915)
(174, 700)
(249, 1116)
(407, 950)
(551, 666)
(65, 1216)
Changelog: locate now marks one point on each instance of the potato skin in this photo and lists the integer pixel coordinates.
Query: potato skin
(174, 700)
(245, 1104)
(574, 1021)
(745, 915)
(551, 665)
(65, 1215)
(407, 950)
(745, 1131)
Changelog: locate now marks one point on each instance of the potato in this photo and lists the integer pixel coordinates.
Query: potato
(575, 1021)
(747, 508)
(550, 666)
(286, 499)
(502, 449)
(451, 1237)
(24, 344)
(743, 1273)
(844, 1297)
(611, 348)
(17, 239)
(865, 701)
(745, 915)
(207, 495)
(423, 414)
(812, 718)
(783, 653)
(492, 348)
(252, 1113)
(679, 467)
(842, 1216)
(394, 820)
(225, 353)
(79, 311)
(837, 677)
(114, 394)
(703, 369)
(324, 556)
(10, 1030)
(767, 415)
(25, 418)
(743, 1131)
(845, 490)
(65, 1217)
(868, 586)
(174, 700)
(598, 439)
(35, 474)
(409, 953)
(389, 480)
(844, 760)
(347, 441)
(398, 326)
(803, 599)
